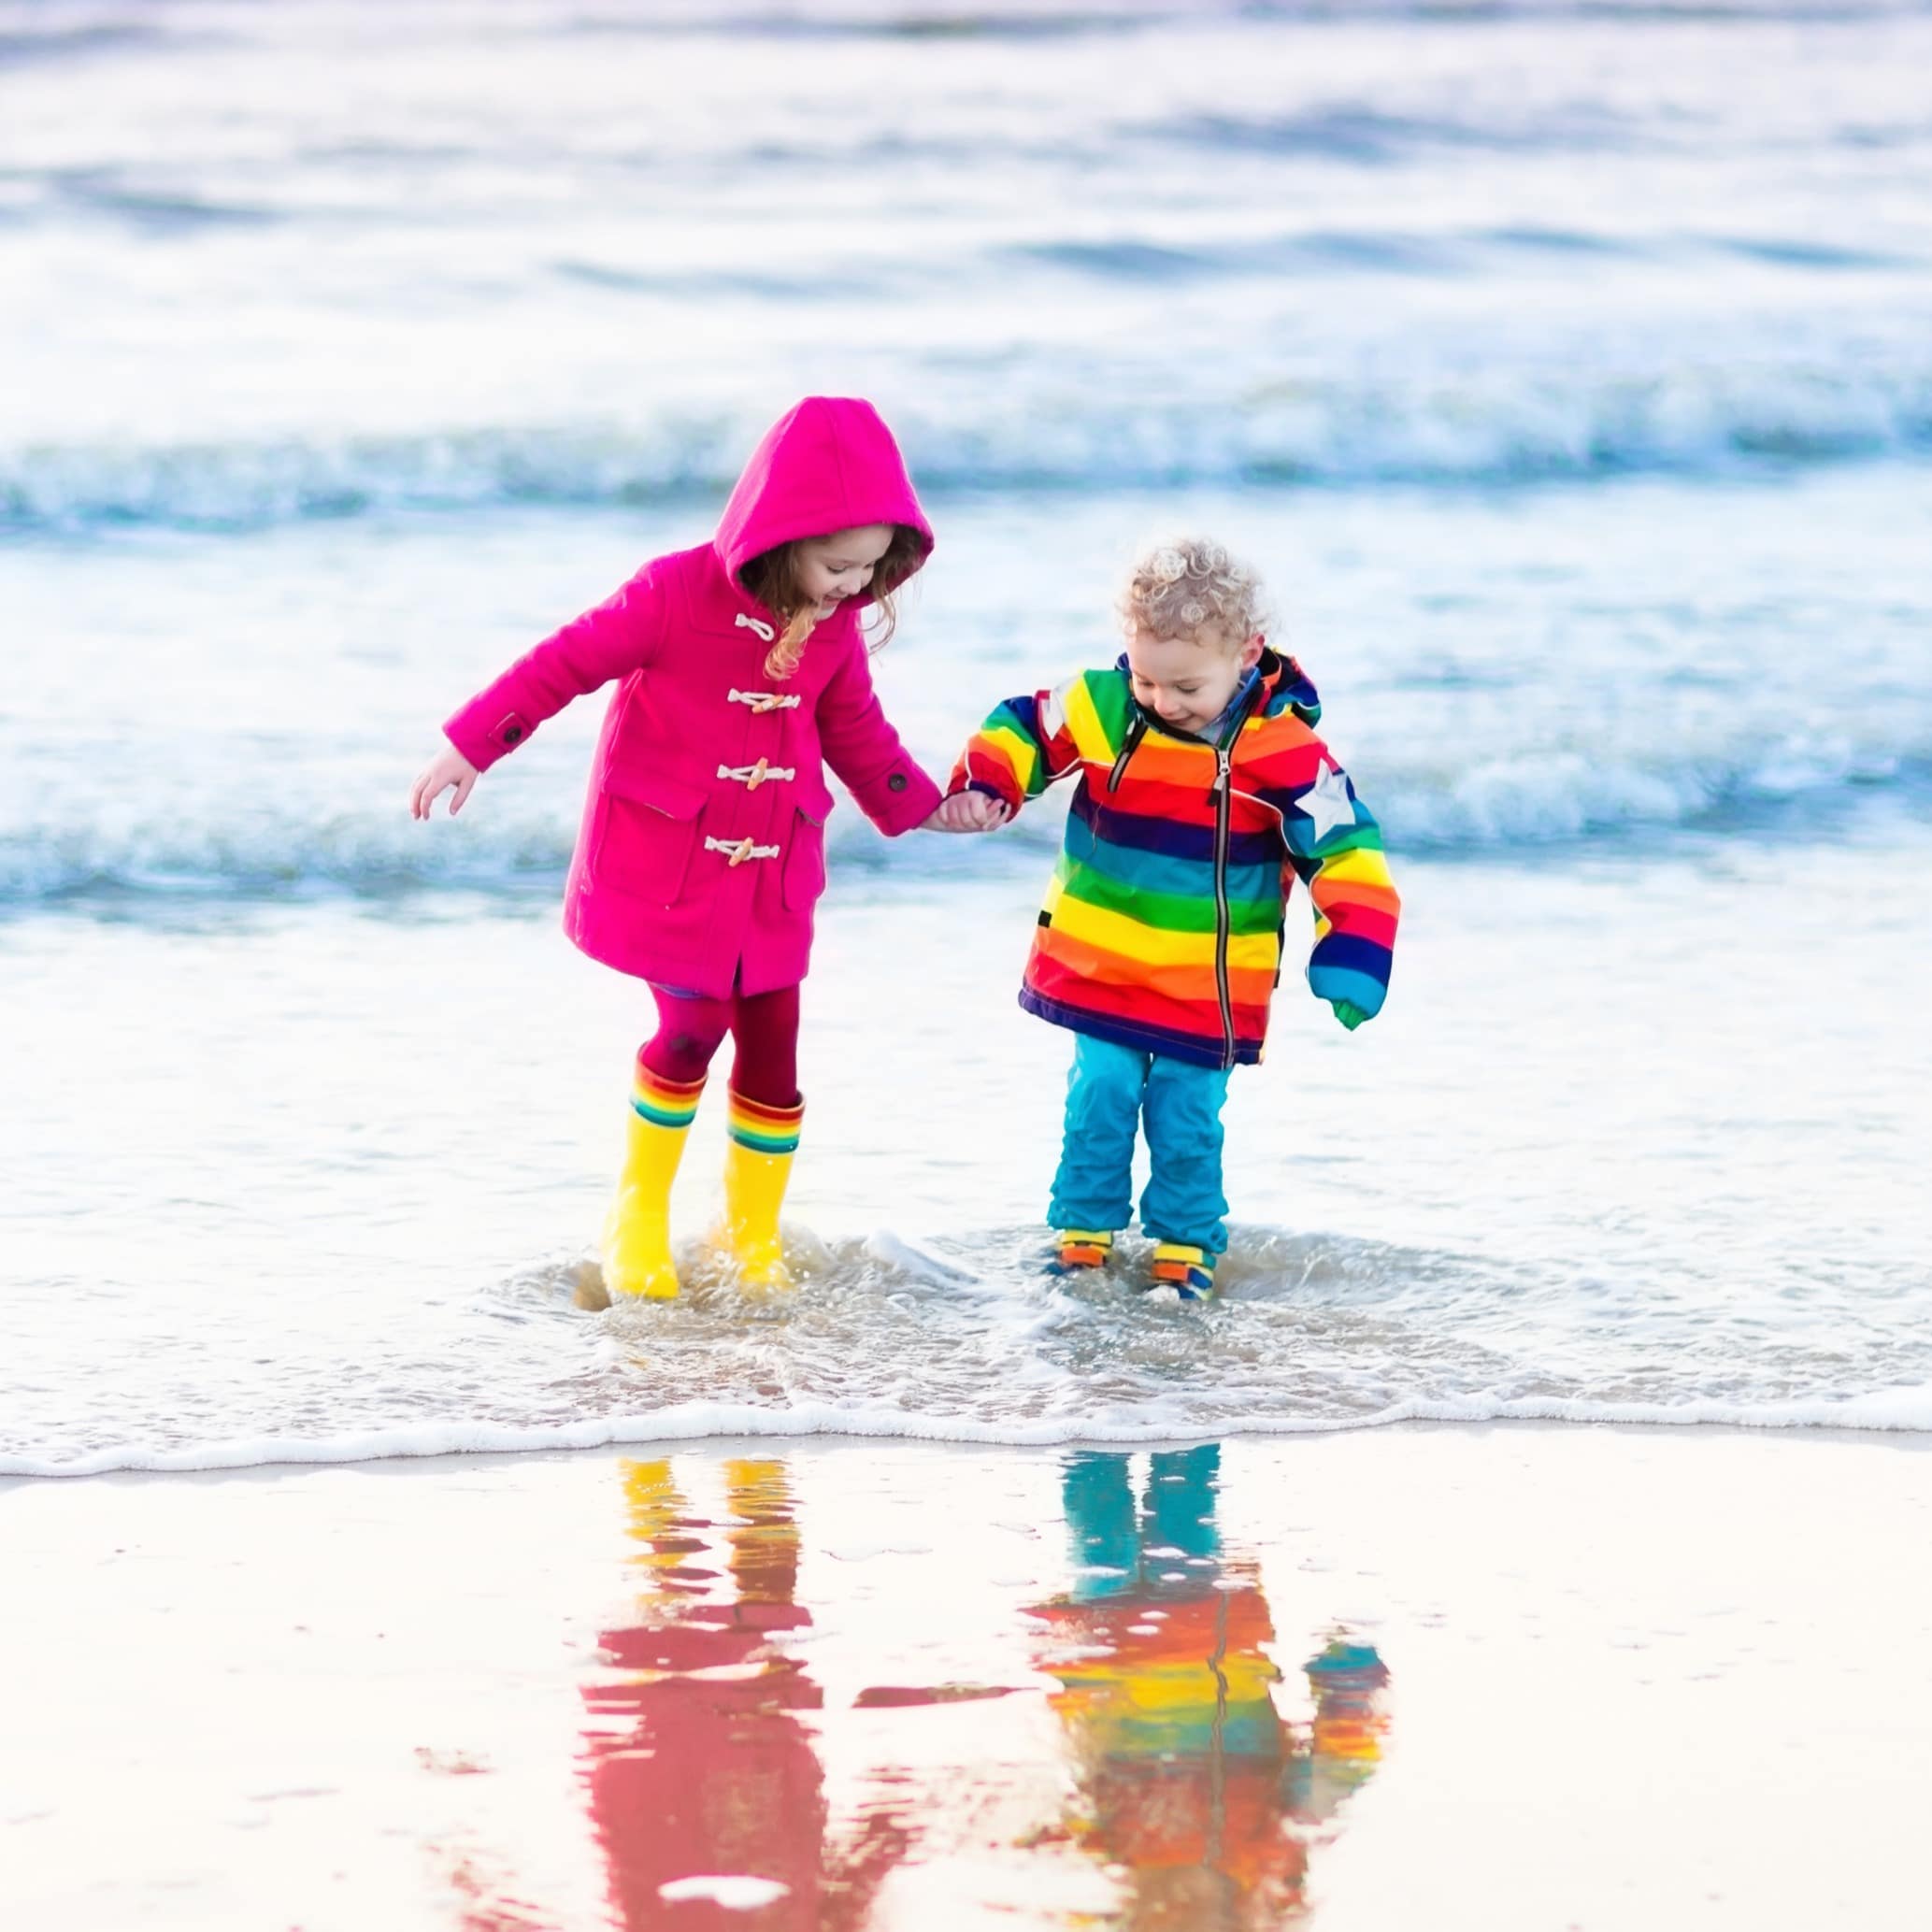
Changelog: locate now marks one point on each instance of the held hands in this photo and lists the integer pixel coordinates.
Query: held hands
(969, 812)
(449, 768)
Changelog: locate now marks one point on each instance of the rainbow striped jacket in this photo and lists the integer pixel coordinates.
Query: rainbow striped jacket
(1162, 928)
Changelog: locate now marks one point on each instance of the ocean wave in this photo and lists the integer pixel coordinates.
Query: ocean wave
(1380, 252)
(30, 32)
(942, 22)
(47, 42)
(1893, 1411)
(1500, 806)
(1447, 252)
(1021, 19)
(1540, 799)
(1370, 137)
(1478, 430)
(364, 856)
(969, 1340)
(152, 210)
(379, 855)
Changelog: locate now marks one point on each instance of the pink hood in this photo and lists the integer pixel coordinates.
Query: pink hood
(830, 463)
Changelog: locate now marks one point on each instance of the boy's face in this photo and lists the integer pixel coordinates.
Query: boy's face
(1187, 681)
(833, 569)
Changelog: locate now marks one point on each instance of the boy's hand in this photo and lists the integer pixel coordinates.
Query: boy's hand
(450, 768)
(1350, 1014)
(969, 812)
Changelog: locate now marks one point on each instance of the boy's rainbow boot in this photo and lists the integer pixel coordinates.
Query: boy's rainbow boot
(636, 1247)
(1082, 1248)
(1187, 1269)
(757, 1167)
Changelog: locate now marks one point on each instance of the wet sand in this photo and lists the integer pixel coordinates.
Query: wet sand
(1457, 1677)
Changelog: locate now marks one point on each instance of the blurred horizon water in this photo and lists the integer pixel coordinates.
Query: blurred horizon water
(327, 258)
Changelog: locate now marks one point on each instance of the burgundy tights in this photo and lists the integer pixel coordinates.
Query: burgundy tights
(763, 1025)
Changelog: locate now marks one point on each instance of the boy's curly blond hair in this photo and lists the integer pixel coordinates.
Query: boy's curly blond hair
(1184, 586)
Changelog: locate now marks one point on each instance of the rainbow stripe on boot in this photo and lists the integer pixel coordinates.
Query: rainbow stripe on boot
(765, 1129)
(757, 1169)
(637, 1241)
(665, 1103)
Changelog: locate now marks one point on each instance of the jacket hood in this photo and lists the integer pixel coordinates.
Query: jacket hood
(1288, 688)
(829, 463)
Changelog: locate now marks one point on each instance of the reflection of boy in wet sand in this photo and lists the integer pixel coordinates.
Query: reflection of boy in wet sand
(698, 1763)
(1188, 1777)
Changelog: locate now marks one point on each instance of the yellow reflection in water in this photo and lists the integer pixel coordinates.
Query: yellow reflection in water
(1197, 1797)
(701, 1758)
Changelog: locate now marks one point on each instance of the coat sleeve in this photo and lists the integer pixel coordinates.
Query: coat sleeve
(864, 749)
(1022, 747)
(1335, 848)
(621, 636)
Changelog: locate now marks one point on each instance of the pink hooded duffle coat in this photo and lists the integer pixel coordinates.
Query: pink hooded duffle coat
(693, 869)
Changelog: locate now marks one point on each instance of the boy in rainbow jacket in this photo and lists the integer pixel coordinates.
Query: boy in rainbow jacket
(1204, 792)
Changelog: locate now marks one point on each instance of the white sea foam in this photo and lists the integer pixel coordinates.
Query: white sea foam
(1883, 1411)
(890, 1339)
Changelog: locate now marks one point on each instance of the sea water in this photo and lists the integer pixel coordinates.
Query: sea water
(1566, 370)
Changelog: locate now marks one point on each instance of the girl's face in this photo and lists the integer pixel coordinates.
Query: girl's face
(833, 569)
(1187, 681)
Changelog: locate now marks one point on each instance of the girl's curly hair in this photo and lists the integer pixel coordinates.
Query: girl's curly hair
(773, 577)
(1186, 585)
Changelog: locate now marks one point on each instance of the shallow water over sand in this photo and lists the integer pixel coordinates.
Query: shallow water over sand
(1476, 1678)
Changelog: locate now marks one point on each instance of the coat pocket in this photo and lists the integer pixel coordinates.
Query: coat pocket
(805, 859)
(646, 834)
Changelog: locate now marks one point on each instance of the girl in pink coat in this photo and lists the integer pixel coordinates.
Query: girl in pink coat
(742, 674)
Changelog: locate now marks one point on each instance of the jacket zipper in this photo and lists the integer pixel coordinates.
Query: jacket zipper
(1223, 788)
(1129, 745)
(1224, 820)
(1222, 795)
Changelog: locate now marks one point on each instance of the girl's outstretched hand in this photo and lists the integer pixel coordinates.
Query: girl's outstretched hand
(969, 812)
(450, 768)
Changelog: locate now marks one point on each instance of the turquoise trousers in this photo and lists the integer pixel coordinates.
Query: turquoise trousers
(1112, 1545)
(1112, 1093)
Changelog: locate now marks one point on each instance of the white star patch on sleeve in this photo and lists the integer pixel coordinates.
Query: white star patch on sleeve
(1327, 801)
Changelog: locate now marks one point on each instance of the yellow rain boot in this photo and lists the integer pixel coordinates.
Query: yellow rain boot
(638, 1230)
(757, 1166)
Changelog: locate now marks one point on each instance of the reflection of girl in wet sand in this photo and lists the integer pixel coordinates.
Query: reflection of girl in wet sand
(699, 1764)
(1188, 1777)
